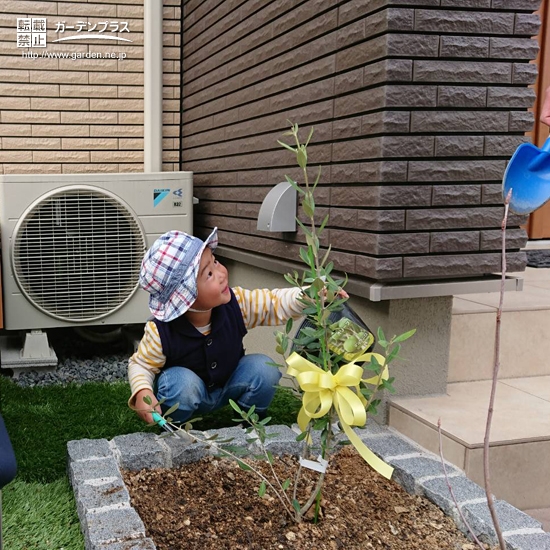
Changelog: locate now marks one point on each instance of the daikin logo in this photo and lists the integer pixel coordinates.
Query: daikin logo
(159, 195)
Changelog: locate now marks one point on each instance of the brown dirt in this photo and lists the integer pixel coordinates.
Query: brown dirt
(213, 504)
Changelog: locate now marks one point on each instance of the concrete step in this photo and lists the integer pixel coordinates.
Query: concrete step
(525, 332)
(520, 434)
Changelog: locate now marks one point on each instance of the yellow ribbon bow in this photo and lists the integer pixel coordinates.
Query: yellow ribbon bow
(323, 389)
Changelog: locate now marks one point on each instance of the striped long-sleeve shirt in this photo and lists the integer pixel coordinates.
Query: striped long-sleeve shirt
(259, 307)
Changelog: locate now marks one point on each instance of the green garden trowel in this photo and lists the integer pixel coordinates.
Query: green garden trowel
(528, 176)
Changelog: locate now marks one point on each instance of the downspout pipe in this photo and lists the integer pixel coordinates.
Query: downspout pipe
(152, 93)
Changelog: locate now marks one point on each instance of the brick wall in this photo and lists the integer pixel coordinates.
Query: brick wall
(82, 115)
(416, 110)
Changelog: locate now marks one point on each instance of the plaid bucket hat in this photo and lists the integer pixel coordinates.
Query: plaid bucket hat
(169, 272)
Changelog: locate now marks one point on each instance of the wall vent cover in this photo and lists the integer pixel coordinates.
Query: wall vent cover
(77, 252)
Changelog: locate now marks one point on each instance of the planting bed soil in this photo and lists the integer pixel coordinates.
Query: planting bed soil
(214, 504)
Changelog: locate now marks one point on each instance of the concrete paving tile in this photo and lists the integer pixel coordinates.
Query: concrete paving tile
(463, 413)
(538, 386)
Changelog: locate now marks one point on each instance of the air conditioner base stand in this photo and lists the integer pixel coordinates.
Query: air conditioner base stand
(36, 353)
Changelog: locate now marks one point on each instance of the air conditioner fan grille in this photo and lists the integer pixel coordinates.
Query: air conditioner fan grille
(77, 254)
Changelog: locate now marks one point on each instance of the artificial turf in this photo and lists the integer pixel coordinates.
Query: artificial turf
(38, 507)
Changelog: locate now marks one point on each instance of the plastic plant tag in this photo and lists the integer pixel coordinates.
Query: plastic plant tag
(349, 339)
(319, 465)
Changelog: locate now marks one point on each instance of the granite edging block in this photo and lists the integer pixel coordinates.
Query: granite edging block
(510, 518)
(95, 494)
(113, 525)
(540, 541)
(416, 469)
(140, 450)
(135, 544)
(83, 470)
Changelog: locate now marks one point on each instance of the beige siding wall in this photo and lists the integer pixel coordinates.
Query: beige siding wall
(82, 115)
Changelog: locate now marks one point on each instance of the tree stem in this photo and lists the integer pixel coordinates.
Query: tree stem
(496, 368)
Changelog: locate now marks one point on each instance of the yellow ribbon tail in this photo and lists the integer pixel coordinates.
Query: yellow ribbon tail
(303, 419)
(377, 379)
(368, 456)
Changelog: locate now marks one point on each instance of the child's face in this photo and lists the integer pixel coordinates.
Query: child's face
(212, 283)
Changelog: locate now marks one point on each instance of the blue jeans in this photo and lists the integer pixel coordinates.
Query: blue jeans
(252, 383)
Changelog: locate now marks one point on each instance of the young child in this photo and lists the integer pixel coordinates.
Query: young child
(192, 352)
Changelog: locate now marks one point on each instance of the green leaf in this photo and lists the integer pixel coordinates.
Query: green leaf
(289, 324)
(171, 410)
(302, 436)
(235, 406)
(296, 505)
(270, 458)
(294, 185)
(244, 466)
(380, 334)
(324, 223)
(289, 279)
(404, 336)
(330, 265)
(147, 400)
(304, 256)
(317, 178)
(309, 136)
(393, 353)
(303, 227)
(286, 146)
(262, 489)
(286, 484)
(308, 208)
(311, 332)
(318, 284)
(301, 156)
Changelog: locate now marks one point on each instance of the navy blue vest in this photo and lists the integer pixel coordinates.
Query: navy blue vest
(213, 357)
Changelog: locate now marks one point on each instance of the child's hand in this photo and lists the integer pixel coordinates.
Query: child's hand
(142, 409)
(342, 293)
(545, 109)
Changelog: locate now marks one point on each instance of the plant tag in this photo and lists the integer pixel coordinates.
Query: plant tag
(320, 465)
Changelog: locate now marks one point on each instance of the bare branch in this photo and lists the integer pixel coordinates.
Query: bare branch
(476, 540)
(496, 368)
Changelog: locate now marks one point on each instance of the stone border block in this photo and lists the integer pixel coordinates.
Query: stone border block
(86, 449)
(97, 493)
(111, 525)
(409, 472)
(464, 490)
(140, 450)
(282, 441)
(93, 468)
(540, 541)
(510, 518)
(237, 435)
(137, 544)
(389, 445)
(183, 451)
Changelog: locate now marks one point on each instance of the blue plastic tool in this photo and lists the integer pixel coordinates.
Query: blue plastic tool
(162, 422)
(528, 175)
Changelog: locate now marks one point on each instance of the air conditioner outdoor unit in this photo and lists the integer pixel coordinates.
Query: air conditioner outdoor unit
(72, 245)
